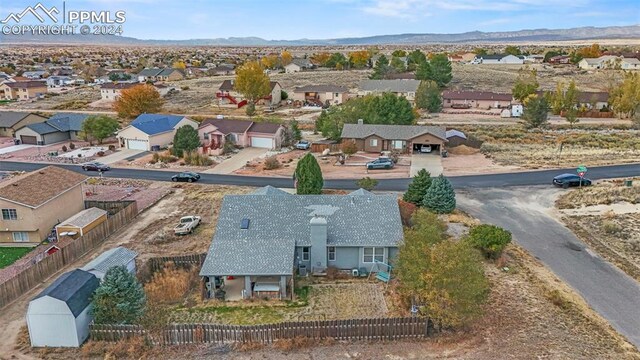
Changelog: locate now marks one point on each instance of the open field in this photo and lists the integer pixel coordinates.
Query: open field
(8, 255)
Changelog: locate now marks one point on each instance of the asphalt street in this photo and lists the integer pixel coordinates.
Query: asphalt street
(529, 215)
(536, 177)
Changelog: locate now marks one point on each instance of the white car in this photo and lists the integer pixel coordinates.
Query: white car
(425, 149)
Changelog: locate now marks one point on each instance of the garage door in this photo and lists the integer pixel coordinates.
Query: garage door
(262, 142)
(31, 140)
(137, 144)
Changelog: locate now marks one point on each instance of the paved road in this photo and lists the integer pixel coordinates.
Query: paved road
(529, 215)
(541, 177)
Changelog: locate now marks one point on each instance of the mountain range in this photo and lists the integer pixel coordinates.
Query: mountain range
(536, 35)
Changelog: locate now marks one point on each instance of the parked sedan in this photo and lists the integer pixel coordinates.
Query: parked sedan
(566, 180)
(187, 176)
(95, 166)
(303, 145)
(380, 163)
(425, 149)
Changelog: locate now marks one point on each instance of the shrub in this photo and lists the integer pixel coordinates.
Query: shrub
(64, 148)
(367, 183)
(349, 148)
(308, 176)
(440, 197)
(100, 153)
(184, 88)
(169, 286)
(490, 239)
(250, 109)
(112, 147)
(406, 211)
(611, 227)
(271, 163)
(228, 147)
(196, 159)
(72, 146)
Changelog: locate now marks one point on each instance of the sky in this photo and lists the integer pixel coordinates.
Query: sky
(326, 19)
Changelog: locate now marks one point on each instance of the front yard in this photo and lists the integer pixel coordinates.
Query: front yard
(9, 255)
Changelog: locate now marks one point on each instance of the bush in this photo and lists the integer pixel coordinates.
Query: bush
(271, 163)
(72, 146)
(406, 211)
(250, 109)
(100, 153)
(184, 88)
(169, 285)
(611, 227)
(308, 176)
(228, 147)
(64, 148)
(349, 148)
(196, 159)
(490, 239)
(367, 183)
(112, 147)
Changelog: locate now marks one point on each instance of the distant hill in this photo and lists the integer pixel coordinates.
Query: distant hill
(581, 33)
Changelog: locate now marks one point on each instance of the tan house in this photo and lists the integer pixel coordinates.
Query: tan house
(111, 91)
(475, 100)
(81, 223)
(404, 138)
(321, 94)
(152, 131)
(32, 204)
(402, 87)
(157, 74)
(10, 121)
(23, 90)
(214, 133)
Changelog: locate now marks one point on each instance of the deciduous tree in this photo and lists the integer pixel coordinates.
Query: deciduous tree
(526, 84)
(179, 65)
(512, 50)
(308, 176)
(625, 98)
(359, 59)
(138, 100)
(119, 299)
(252, 82)
(99, 127)
(286, 58)
(320, 59)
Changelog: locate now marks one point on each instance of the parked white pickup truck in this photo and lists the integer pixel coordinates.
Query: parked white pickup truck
(187, 224)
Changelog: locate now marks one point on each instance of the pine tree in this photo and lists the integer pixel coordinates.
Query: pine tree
(119, 299)
(308, 176)
(440, 197)
(428, 97)
(381, 69)
(418, 187)
(186, 139)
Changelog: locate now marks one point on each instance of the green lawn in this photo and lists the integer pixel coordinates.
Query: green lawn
(8, 255)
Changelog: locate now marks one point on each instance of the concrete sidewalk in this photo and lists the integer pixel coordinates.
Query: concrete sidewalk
(122, 154)
(237, 161)
(431, 162)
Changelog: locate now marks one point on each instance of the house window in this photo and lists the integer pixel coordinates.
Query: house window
(206, 136)
(331, 253)
(397, 144)
(336, 94)
(305, 254)
(9, 214)
(371, 254)
(20, 236)
(373, 142)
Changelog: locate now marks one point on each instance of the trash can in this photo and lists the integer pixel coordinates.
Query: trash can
(628, 183)
(445, 153)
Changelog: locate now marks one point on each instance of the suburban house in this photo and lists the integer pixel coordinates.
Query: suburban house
(244, 133)
(10, 121)
(60, 127)
(118, 256)
(475, 99)
(157, 74)
(321, 94)
(111, 90)
(534, 59)
(81, 223)
(596, 100)
(560, 59)
(227, 94)
(60, 315)
(609, 62)
(35, 74)
(262, 239)
(152, 131)
(23, 90)
(223, 70)
(498, 59)
(32, 204)
(297, 65)
(404, 138)
(275, 95)
(405, 88)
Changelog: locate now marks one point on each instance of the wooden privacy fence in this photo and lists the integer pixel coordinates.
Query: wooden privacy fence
(352, 329)
(32, 276)
(184, 261)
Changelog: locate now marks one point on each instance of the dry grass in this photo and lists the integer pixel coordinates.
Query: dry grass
(170, 285)
(604, 193)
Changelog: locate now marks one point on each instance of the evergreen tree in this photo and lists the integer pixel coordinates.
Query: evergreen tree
(381, 69)
(308, 176)
(415, 58)
(423, 72)
(440, 197)
(536, 112)
(428, 97)
(296, 135)
(186, 139)
(440, 70)
(119, 299)
(418, 187)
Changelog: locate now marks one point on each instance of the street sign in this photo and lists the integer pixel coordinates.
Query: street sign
(581, 169)
(581, 174)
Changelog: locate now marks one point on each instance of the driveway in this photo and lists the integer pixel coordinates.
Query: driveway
(10, 149)
(530, 215)
(237, 161)
(431, 162)
(122, 154)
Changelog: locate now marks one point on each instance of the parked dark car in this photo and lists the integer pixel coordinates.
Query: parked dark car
(187, 176)
(95, 166)
(566, 180)
(380, 163)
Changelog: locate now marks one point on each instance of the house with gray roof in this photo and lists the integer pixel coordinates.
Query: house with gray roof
(10, 121)
(297, 65)
(321, 94)
(160, 74)
(402, 87)
(60, 315)
(404, 138)
(262, 239)
(118, 256)
(60, 127)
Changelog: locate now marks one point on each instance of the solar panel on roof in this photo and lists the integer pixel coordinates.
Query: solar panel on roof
(244, 224)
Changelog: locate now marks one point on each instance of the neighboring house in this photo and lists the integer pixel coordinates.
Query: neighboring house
(111, 90)
(275, 95)
(596, 100)
(261, 239)
(298, 65)
(10, 121)
(164, 89)
(32, 204)
(34, 75)
(119, 256)
(244, 133)
(60, 127)
(81, 223)
(223, 70)
(475, 99)
(152, 131)
(536, 59)
(609, 62)
(321, 94)
(57, 81)
(157, 74)
(404, 138)
(498, 59)
(560, 59)
(227, 94)
(404, 88)
(60, 315)
(23, 90)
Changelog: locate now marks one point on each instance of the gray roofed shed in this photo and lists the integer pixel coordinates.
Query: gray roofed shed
(119, 256)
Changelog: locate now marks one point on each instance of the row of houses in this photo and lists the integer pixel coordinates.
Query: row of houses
(610, 62)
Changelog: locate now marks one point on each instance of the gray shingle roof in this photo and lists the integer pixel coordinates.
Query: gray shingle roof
(269, 190)
(150, 72)
(279, 223)
(391, 132)
(67, 121)
(396, 86)
(361, 192)
(84, 217)
(321, 88)
(74, 288)
(118, 256)
(10, 118)
(42, 128)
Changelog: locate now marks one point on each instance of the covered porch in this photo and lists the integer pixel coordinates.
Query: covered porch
(236, 288)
